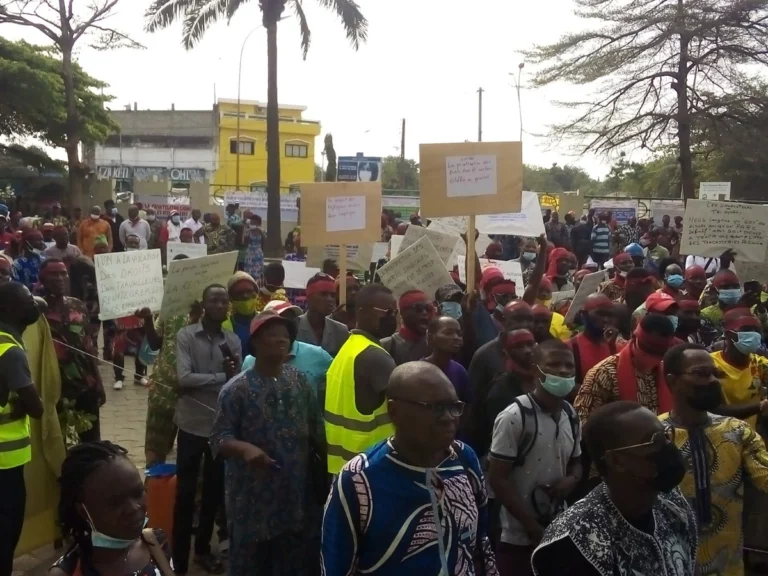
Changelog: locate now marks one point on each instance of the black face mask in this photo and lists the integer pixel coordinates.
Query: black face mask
(706, 397)
(688, 325)
(31, 314)
(670, 468)
(387, 326)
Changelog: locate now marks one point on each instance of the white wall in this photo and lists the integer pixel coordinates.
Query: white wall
(156, 157)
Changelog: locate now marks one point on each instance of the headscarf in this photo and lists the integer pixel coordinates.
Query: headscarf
(739, 318)
(239, 277)
(557, 254)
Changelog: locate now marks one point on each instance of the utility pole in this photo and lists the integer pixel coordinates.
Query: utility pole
(402, 157)
(480, 114)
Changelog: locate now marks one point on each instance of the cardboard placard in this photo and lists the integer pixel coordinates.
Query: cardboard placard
(358, 255)
(128, 281)
(527, 222)
(470, 178)
(711, 227)
(190, 250)
(394, 245)
(589, 285)
(418, 267)
(297, 274)
(445, 244)
(453, 225)
(340, 213)
(188, 278)
(510, 269)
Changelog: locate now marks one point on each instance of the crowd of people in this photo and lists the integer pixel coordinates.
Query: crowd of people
(469, 431)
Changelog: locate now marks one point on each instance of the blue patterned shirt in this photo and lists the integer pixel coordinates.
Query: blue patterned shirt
(26, 270)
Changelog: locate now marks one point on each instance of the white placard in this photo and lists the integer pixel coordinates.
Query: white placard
(128, 281)
(443, 243)
(358, 255)
(511, 270)
(417, 267)
(589, 285)
(470, 175)
(481, 245)
(191, 250)
(710, 228)
(380, 250)
(453, 225)
(297, 274)
(671, 208)
(527, 222)
(344, 213)
(560, 296)
(394, 245)
(715, 191)
(188, 278)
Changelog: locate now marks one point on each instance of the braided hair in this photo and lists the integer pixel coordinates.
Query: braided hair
(82, 461)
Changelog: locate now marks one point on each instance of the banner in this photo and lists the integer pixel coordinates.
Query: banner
(128, 281)
(622, 210)
(164, 205)
(188, 278)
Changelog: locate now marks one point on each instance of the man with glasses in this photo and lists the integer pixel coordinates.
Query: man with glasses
(355, 412)
(399, 486)
(721, 449)
(534, 460)
(636, 521)
(409, 343)
(316, 326)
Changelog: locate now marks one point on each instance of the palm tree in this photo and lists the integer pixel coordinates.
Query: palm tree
(199, 15)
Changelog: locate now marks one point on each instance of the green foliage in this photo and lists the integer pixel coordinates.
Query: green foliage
(318, 173)
(19, 161)
(331, 167)
(33, 102)
(73, 422)
(397, 174)
(558, 179)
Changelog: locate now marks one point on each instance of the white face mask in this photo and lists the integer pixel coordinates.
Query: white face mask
(150, 217)
(95, 216)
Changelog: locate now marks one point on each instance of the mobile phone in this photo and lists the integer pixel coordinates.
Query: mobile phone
(226, 352)
(752, 286)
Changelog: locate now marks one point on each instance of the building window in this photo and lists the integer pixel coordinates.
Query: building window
(296, 150)
(246, 147)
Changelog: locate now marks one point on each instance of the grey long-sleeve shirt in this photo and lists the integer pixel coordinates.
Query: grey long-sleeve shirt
(199, 367)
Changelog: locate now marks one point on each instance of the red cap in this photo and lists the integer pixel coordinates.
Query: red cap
(659, 302)
(266, 317)
(490, 273)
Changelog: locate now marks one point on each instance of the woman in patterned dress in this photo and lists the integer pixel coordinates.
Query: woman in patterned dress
(253, 241)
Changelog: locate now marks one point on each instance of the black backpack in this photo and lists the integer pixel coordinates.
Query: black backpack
(529, 421)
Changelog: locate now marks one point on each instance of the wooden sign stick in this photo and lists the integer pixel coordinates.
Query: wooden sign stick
(470, 258)
(342, 274)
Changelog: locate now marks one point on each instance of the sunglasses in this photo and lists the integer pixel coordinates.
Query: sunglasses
(659, 439)
(421, 307)
(438, 409)
(387, 312)
(704, 372)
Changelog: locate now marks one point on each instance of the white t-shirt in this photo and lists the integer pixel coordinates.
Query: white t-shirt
(195, 226)
(174, 232)
(712, 267)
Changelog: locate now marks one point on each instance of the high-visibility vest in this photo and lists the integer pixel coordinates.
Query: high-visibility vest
(15, 441)
(347, 431)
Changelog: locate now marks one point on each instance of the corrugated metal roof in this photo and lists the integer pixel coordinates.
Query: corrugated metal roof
(201, 123)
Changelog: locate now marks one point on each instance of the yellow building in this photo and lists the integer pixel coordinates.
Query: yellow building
(297, 146)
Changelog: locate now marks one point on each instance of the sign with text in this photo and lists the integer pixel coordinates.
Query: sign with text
(128, 281)
(715, 191)
(622, 210)
(256, 201)
(358, 255)
(527, 222)
(192, 250)
(453, 225)
(671, 208)
(469, 178)
(188, 278)
(711, 227)
(394, 245)
(443, 243)
(510, 269)
(340, 213)
(589, 285)
(417, 267)
(297, 274)
(164, 205)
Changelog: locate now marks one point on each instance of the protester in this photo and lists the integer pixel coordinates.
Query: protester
(345, 313)
(114, 219)
(316, 327)
(409, 343)
(202, 369)
(355, 411)
(542, 320)
(598, 340)
(654, 252)
(219, 237)
(672, 274)
(659, 303)
(47, 232)
(558, 269)
(194, 223)
(103, 509)
(601, 240)
(253, 240)
(634, 374)
(444, 342)
(5, 270)
(581, 237)
(268, 427)
(62, 249)
(711, 266)
(91, 229)
(729, 294)
(19, 401)
(639, 285)
(556, 231)
(629, 233)
(695, 282)
(155, 229)
(245, 304)
(75, 351)
(534, 459)
(744, 374)
(136, 226)
(636, 522)
(418, 474)
(26, 268)
(557, 327)
(720, 449)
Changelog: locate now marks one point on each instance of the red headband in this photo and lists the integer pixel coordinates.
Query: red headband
(321, 286)
(505, 287)
(601, 302)
(739, 318)
(724, 277)
(621, 258)
(695, 272)
(410, 298)
(653, 340)
(518, 337)
(689, 305)
(539, 310)
(54, 267)
(638, 281)
(517, 304)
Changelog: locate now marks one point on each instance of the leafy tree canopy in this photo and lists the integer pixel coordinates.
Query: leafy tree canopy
(399, 174)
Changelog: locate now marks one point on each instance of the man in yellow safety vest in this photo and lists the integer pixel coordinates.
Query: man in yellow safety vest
(355, 409)
(18, 401)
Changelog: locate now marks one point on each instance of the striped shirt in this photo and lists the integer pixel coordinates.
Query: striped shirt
(601, 239)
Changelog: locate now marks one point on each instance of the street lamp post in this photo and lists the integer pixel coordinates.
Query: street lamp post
(519, 101)
(239, 77)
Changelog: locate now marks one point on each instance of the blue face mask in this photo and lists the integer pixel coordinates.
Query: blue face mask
(558, 386)
(101, 540)
(452, 309)
(675, 280)
(675, 320)
(729, 296)
(530, 256)
(748, 342)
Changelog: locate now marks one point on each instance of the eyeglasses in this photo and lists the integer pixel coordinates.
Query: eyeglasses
(386, 311)
(438, 409)
(704, 372)
(659, 439)
(420, 307)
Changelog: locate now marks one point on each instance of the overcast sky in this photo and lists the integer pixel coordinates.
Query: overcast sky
(424, 61)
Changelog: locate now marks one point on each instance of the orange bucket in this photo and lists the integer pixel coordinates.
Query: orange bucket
(160, 485)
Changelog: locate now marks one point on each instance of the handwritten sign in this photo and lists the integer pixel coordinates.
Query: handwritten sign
(191, 250)
(394, 245)
(297, 274)
(344, 213)
(527, 222)
(417, 267)
(358, 255)
(511, 270)
(589, 285)
(471, 175)
(443, 243)
(188, 278)
(128, 281)
(454, 225)
(380, 250)
(712, 227)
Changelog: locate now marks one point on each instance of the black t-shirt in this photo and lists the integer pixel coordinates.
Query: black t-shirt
(562, 558)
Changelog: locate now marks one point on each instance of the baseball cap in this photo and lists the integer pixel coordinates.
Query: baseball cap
(659, 302)
(279, 307)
